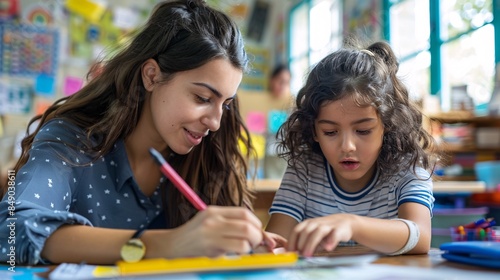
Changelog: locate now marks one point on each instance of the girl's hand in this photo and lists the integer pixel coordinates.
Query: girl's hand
(217, 231)
(321, 233)
(273, 240)
(270, 242)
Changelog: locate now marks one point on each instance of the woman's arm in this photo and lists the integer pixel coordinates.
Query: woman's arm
(213, 232)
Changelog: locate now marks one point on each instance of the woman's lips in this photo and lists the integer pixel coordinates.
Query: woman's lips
(194, 138)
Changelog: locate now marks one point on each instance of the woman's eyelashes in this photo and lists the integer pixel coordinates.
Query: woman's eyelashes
(201, 99)
(226, 105)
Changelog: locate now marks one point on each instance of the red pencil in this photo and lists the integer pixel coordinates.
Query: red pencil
(177, 180)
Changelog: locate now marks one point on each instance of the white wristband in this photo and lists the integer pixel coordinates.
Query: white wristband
(412, 238)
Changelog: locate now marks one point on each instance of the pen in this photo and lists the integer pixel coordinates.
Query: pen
(488, 223)
(177, 180)
(475, 224)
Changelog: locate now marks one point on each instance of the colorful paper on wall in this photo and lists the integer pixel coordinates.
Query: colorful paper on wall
(41, 106)
(28, 50)
(256, 122)
(125, 18)
(90, 10)
(259, 144)
(15, 98)
(275, 120)
(72, 85)
(37, 14)
(10, 10)
(45, 85)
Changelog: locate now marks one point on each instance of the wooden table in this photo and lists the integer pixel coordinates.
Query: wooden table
(431, 260)
(432, 263)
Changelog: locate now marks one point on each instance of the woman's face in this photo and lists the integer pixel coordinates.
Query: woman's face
(350, 137)
(186, 108)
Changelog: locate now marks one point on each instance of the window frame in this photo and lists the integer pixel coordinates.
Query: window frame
(435, 41)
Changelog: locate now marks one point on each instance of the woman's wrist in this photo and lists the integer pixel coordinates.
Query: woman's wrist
(158, 244)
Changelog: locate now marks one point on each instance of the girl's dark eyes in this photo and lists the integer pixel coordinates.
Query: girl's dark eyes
(364, 132)
(330, 133)
(361, 132)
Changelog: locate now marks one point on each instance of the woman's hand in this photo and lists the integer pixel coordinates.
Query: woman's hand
(214, 232)
(321, 233)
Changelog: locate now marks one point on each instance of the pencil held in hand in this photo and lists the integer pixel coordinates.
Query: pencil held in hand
(177, 180)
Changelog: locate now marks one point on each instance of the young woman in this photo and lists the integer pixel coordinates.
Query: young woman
(279, 82)
(86, 183)
(358, 156)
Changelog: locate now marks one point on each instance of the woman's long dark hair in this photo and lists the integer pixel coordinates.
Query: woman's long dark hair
(369, 77)
(180, 36)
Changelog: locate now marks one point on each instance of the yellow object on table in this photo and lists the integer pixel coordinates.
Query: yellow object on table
(205, 264)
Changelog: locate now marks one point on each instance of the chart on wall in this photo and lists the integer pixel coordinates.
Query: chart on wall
(28, 50)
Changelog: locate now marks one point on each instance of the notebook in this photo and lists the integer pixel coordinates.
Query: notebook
(480, 253)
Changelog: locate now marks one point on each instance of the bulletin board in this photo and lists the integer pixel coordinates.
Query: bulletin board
(28, 50)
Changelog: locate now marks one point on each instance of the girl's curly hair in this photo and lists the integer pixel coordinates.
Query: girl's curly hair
(369, 77)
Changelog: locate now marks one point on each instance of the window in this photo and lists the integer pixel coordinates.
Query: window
(459, 53)
(315, 31)
(442, 45)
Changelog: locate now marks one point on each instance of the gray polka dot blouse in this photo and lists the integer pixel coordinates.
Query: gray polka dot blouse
(61, 184)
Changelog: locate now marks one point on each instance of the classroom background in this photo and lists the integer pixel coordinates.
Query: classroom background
(449, 52)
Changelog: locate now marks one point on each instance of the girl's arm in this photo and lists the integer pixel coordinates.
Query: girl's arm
(389, 236)
(281, 224)
(386, 236)
(213, 232)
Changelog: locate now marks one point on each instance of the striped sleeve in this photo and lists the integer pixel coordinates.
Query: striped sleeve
(417, 190)
(290, 199)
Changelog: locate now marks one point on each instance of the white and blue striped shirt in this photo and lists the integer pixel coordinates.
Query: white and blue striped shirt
(311, 191)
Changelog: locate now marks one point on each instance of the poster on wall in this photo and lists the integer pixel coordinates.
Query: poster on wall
(15, 98)
(9, 10)
(28, 50)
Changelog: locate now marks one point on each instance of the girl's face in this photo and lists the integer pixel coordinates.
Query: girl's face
(351, 139)
(186, 108)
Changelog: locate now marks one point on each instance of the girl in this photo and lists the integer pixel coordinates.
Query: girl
(86, 182)
(358, 157)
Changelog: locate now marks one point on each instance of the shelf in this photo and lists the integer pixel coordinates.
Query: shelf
(467, 149)
(459, 187)
(454, 178)
(462, 116)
